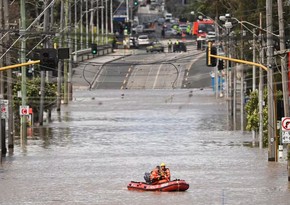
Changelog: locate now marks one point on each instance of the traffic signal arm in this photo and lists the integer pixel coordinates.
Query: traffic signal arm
(19, 65)
(239, 61)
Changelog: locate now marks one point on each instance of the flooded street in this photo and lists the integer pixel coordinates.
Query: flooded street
(105, 138)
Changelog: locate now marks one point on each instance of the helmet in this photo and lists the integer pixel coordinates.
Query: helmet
(162, 164)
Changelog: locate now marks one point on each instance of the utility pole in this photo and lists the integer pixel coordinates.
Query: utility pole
(70, 46)
(261, 85)
(9, 83)
(270, 65)
(23, 68)
(283, 59)
(87, 24)
(98, 27)
(242, 80)
(284, 73)
(92, 21)
(102, 20)
(106, 21)
(2, 140)
(254, 75)
(111, 14)
(65, 71)
(42, 72)
(81, 23)
(76, 28)
(60, 62)
(127, 10)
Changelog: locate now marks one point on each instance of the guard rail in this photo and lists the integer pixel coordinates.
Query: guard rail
(85, 54)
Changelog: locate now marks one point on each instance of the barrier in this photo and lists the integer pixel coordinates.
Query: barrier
(85, 54)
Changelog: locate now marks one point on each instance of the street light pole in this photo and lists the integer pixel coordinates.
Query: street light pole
(81, 23)
(111, 14)
(92, 21)
(76, 28)
(127, 9)
(102, 20)
(87, 24)
(106, 21)
(98, 27)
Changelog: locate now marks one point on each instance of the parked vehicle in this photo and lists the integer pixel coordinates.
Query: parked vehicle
(156, 46)
(202, 27)
(143, 40)
(180, 47)
(170, 32)
(138, 29)
(168, 17)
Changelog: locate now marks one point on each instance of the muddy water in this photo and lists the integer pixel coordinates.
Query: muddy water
(104, 139)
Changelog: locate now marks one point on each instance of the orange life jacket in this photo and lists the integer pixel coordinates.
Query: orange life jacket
(154, 174)
(165, 174)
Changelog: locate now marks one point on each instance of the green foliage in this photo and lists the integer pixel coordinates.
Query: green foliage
(252, 111)
(33, 95)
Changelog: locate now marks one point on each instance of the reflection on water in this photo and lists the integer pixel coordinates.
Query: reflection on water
(104, 139)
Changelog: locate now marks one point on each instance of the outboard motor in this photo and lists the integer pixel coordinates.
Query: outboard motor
(147, 177)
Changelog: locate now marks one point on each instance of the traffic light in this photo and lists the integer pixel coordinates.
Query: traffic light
(128, 27)
(136, 2)
(48, 59)
(221, 65)
(211, 61)
(63, 53)
(94, 48)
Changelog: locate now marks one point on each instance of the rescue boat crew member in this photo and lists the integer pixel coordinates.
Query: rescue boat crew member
(155, 175)
(165, 173)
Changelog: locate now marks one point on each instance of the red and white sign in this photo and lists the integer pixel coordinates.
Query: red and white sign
(24, 110)
(285, 124)
(4, 109)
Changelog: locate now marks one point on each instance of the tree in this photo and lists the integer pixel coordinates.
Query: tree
(33, 96)
(252, 111)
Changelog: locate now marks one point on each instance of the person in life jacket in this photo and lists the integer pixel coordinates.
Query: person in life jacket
(169, 46)
(164, 173)
(155, 175)
(176, 46)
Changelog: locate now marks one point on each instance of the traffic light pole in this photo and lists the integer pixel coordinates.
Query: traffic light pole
(237, 61)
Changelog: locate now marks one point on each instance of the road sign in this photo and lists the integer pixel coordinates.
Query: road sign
(285, 124)
(285, 137)
(4, 109)
(24, 110)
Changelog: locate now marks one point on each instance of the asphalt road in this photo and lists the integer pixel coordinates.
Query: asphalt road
(144, 70)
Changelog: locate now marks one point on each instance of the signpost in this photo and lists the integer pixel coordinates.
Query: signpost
(285, 125)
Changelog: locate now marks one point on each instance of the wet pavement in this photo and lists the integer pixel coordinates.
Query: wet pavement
(105, 138)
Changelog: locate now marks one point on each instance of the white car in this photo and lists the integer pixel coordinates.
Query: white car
(138, 29)
(143, 40)
(170, 32)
